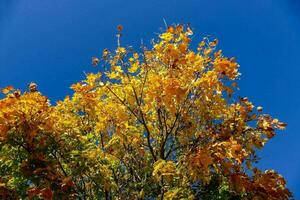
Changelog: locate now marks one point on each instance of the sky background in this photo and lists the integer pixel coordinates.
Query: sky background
(52, 42)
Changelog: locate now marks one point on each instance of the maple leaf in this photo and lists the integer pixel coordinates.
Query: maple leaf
(7, 89)
(157, 123)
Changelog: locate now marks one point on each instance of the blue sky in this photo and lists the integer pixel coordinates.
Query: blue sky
(52, 42)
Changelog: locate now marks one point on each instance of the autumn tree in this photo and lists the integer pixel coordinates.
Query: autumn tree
(158, 123)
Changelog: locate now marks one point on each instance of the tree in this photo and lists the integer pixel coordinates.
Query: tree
(162, 123)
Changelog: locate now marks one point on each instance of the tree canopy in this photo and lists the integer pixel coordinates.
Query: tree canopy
(163, 122)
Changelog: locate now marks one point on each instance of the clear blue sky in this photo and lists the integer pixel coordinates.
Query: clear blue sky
(52, 42)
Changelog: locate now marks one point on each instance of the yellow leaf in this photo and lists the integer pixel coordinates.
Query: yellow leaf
(7, 89)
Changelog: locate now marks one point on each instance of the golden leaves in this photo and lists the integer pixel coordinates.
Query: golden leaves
(7, 89)
(162, 168)
(134, 63)
(278, 124)
(121, 50)
(171, 29)
(173, 88)
(202, 159)
(270, 184)
(168, 111)
(134, 67)
(166, 36)
(91, 79)
(136, 56)
(233, 150)
(268, 125)
(113, 75)
(178, 193)
(179, 29)
(214, 43)
(226, 67)
(25, 114)
(199, 164)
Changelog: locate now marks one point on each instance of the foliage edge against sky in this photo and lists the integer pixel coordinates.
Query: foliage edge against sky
(160, 123)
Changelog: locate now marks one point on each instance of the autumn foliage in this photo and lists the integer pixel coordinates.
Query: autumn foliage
(158, 123)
